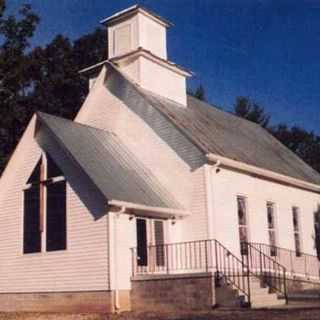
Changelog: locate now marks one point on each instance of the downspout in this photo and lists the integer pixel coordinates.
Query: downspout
(209, 196)
(115, 256)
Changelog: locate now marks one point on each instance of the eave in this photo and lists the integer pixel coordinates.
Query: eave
(132, 11)
(150, 56)
(262, 173)
(149, 211)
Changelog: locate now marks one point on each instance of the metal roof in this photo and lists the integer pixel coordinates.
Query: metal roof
(222, 133)
(133, 9)
(117, 173)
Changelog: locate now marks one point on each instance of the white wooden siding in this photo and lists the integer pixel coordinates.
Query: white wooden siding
(227, 185)
(83, 266)
(149, 135)
(123, 237)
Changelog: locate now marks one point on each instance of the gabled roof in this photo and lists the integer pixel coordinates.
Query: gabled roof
(215, 131)
(224, 134)
(108, 163)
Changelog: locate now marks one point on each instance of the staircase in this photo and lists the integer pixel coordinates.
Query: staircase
(261, 296)
(255, 286)
(253, 280)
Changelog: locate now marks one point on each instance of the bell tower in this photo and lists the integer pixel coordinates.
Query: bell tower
(138, 46)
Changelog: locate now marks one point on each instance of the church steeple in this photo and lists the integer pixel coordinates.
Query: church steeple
(138, 46)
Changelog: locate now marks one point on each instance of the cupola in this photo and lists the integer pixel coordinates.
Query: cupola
(137, 44)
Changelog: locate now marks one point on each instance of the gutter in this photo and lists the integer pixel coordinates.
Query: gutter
(149, 211)
(263, 173)
(115, 235)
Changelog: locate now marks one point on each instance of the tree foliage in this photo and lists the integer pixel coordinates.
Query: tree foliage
(42, 79)
(251, 111)
(199, 93)
(47, 79)
(15, 34)
(303, 143)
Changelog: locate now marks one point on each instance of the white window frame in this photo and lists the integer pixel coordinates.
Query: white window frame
(298, 231)
(44, 233)
(273, 229)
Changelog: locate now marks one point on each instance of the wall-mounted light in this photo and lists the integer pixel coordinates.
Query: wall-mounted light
(216, 166)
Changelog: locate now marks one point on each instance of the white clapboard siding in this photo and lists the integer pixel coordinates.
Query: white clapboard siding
(227, 185)
(83, 266)
(157, 143)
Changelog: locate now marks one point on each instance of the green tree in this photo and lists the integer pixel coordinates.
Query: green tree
(251, 111)
(303, 143)
(15, 34)
(199, 93)
(58, 88)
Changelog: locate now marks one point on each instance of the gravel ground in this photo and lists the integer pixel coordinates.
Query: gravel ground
(290, 314)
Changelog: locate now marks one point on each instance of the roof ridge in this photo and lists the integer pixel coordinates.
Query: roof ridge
(240, 139)
(40, 113)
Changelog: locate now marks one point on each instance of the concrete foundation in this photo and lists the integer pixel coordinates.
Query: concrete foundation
(99, 301)
(173, 292)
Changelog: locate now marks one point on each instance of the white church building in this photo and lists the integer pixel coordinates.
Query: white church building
(151, 198)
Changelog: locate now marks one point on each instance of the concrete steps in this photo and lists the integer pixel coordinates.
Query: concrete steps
(260, 295)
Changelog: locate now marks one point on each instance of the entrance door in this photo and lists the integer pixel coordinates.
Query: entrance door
(150, 242)
(142, 242)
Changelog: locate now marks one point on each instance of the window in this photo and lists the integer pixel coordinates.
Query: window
(296, 230)
(31, 221)
(242, 221)
(159, 242)
(271, 228)
(56, 216)
(150, 242)
(317, 231)
(142, 244)
(45, 197)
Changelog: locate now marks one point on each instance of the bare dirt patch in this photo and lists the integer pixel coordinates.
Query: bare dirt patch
(282, 314)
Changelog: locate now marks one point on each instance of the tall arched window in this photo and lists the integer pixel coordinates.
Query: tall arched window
(45, 208)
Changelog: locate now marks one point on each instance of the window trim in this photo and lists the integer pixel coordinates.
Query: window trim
(247, 225)
(275, 225)
(27, 186)
(299, 232)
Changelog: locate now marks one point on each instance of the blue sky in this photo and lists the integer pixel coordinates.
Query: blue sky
(265, 49)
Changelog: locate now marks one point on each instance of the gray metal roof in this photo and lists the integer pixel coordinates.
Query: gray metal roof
(108, 163)
(222, 133)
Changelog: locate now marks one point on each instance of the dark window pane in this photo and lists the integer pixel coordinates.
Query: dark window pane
(295, 218)
(242, 211)
(56, 216)
(142, 242)
(159, 242)
(270, 212)
(52, 169)
(297, 244)
(272, 242)
(35, 175)
(317, 232)
(31, 221)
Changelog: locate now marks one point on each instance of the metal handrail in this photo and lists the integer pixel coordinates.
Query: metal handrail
(303, 264)
(271, 271)
(196, 256)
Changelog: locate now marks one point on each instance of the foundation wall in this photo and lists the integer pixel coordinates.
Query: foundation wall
(99, 301)
(173, 292)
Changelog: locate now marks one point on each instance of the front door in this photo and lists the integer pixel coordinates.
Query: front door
(150, 242)
(142, 242)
